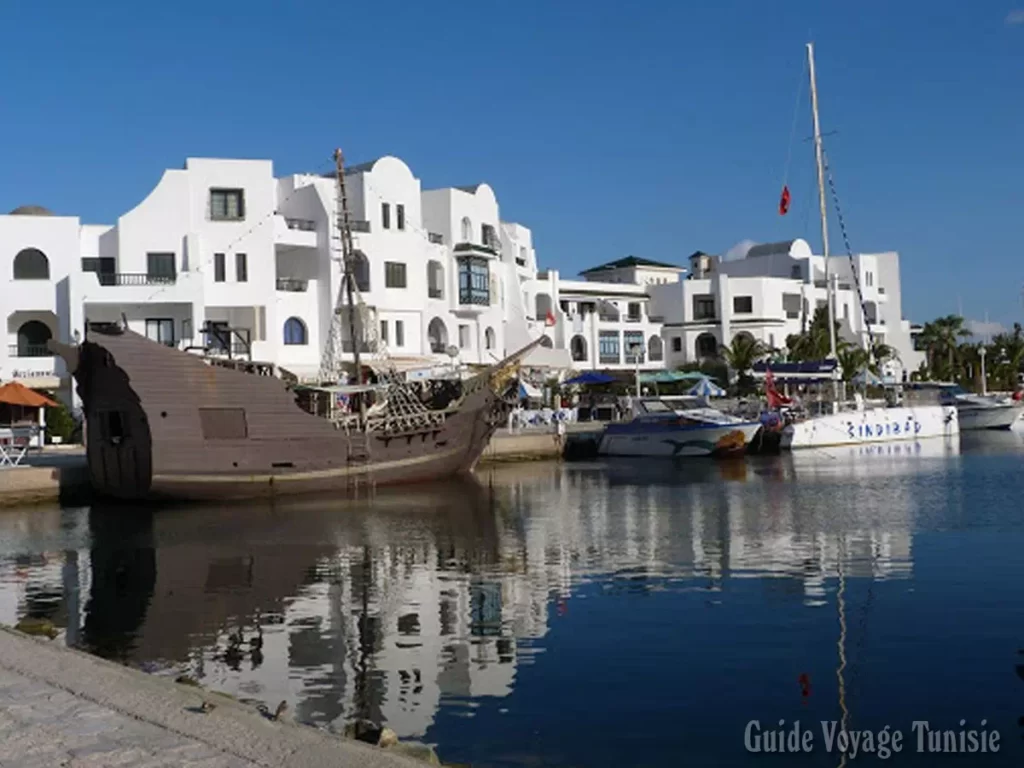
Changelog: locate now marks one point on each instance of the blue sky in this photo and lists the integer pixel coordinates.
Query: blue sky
(652, 128)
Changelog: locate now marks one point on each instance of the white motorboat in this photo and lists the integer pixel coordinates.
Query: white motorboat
(659, 429)
(979, 411)
(863, 423)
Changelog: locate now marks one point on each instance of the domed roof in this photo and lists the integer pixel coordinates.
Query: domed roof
(31, 210)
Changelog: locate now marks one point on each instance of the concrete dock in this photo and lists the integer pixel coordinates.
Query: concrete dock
(61, 707)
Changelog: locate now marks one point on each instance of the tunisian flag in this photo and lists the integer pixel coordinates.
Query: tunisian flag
(775, 399)
(784, 201)
(549, 318)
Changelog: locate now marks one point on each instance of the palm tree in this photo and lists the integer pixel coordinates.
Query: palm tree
(852, 360)
(951, 330)
(815, 343)
(1007, 354)
(743, 352)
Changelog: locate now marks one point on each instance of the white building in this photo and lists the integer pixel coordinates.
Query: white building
(224, 256)
(773, 292)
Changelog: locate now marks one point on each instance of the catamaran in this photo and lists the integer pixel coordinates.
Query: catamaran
(911, 415)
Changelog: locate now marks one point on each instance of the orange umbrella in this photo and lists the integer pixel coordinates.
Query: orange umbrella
(14, 393)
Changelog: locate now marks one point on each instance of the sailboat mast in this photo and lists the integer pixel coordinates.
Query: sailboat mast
(820, 162)
(347, 257)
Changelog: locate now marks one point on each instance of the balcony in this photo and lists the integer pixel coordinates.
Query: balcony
(134, 278)
(608, 359)
(28, 350)
(294, 233)
(292, 285)
(474, 296)
(474, 249)
(435, 238)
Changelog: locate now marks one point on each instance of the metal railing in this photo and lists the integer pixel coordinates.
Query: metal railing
(28, 350)
(474, 296)
(608, 359)
(135, 278)
(304, 225)
(292, 285)
(608, 317)
(460, 247)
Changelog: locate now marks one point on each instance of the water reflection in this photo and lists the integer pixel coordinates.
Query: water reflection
(443, 595)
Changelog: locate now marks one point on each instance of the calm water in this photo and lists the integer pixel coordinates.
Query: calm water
(582, 614)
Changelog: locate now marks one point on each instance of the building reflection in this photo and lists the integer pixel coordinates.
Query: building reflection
(386, 609)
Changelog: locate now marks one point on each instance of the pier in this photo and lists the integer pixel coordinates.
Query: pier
(59, 705)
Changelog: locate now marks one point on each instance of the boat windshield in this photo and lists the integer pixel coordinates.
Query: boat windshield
(655, 406)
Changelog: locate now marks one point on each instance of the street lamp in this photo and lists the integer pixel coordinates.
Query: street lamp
(984, 379)
(637, 350)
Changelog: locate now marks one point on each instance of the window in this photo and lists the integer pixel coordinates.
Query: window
(633, 312)
(394, 274)
(32, 338)
(160, 330)
(869, 279)
(385, 215)
(227, 204)
(463, 337)
(703, 308)
(223, 423)
(31, 264)
(488, 236)
(400, 216)
(474, 281)
(467, 229)
(634, 346)
(742, 305)
(795, 272)
(294, 331)
(241, 268)
(677, 343)
(160, 266)
(489, 338)
(399, 333)
(101, 266)
(608, 346)
(219, 270)
(384, 331)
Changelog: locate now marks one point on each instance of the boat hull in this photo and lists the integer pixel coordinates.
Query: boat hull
(162, 424)
(676, 441)
(873, 425)
(1002, 416)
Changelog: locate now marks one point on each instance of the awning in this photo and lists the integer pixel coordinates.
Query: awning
(547, 357)
(668, 377)
(706, 388)
(591, 377)
(15, 393)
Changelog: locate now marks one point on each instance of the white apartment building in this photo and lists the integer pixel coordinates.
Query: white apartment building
(773, 292)
(224, 256)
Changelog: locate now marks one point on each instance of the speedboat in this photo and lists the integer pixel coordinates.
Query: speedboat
(659, 428)
(981, 411)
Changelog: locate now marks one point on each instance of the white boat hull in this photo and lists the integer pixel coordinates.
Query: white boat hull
(1000, 416)
(669, 442)
(873, 425)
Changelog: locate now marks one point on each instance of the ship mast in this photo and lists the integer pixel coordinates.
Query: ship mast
(819, 160)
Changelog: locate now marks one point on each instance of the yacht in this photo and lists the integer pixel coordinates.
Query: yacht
(687, 427)
(977, 411)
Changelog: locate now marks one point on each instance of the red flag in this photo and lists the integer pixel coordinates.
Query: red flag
(784, 201)
(774, 398)
(549, 318)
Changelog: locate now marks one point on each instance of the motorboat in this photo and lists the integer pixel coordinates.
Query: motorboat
(672, 429)
(978, 411)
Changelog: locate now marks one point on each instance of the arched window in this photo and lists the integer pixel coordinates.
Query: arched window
(489, 338)
(578, 347)
(467, 230)
(655, 349)
(706, 346)
(32, 338)
(31, 264)
(437, 335)
(361, 270)
(545, 341)
(294, 331)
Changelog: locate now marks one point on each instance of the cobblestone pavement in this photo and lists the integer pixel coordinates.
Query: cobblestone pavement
(61, 707)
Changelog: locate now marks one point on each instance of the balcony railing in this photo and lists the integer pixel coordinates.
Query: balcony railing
(305, 225)
(360, 226)
(464, 247)
(436, 238)
(135, 278)
(292, 285)
(470, 296)
(608, 359)
(435, 293)
(28, 350)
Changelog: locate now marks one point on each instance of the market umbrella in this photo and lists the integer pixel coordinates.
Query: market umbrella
(14, 393)
(706, 388)
(591, 377)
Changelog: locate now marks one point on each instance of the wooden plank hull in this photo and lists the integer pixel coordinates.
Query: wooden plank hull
(163, 424)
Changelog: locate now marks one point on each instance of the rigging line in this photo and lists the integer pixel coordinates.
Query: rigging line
(259, 223)
(849, 255)
(792, 130)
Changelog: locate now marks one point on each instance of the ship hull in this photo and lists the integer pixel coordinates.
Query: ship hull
(1000, 416)
(162, 424)
(632, 439)
(873, 425)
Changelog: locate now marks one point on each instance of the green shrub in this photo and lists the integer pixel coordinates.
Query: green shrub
(59, 422)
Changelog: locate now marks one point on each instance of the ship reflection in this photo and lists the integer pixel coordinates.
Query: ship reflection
(388, 607)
